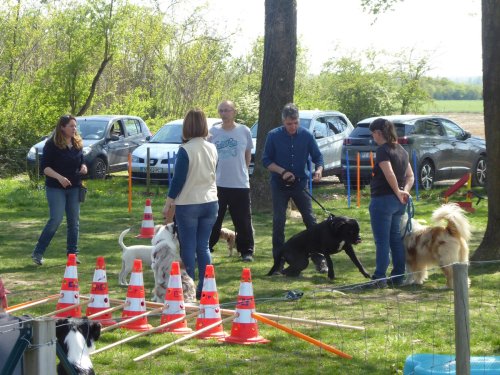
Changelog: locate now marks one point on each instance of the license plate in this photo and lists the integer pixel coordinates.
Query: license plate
(364, 155)
(151, 170)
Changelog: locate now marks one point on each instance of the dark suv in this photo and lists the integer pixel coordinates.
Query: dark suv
(107, 141)
(443, 150)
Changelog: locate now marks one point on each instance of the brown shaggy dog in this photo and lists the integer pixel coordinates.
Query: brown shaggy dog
(437, 245)
(230, 237)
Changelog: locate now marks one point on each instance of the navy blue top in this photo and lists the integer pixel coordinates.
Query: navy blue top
(180, 173)
(399, 159)
(67, 162)
(291, 151)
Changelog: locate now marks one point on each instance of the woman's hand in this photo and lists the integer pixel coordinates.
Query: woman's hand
(64, 181)
(168, 210)
(83, 169)
(403, 196)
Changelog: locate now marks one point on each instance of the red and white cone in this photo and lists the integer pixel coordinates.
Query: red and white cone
(70, 290)
(3, 297)
(99, 295)
(135, 303)
(148, 225)
(209, 307)
(174, 303)
(244, 329)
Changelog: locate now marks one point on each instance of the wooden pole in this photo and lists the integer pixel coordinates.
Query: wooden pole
(132, 319)
(145, 333)
(83, 303)
(41, 360)
(187, 337)
(299, 335)
(462, 326)
(27, 305)
(107, 311)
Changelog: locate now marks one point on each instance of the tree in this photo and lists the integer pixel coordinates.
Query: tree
(278, 82)
(489, 249)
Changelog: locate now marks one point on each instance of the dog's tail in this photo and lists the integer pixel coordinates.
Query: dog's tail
(458, 226)
(122, 236)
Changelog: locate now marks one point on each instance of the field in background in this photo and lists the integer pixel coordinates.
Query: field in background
(438, 106)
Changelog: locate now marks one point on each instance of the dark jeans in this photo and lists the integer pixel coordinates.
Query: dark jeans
(385, 216)
(238, 202)
(281, 195)
(61, 201)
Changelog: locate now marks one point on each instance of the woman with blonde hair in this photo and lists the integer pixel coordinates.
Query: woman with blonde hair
(193, 194)
(62, 164)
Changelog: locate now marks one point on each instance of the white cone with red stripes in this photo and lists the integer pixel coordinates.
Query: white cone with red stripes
(70, 290)
(99, 297)
(244, 329)
(174, 303)
(209, 307)
(135, 303)
(148, 225)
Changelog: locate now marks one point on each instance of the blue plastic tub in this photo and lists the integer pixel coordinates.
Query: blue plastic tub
(443, 364)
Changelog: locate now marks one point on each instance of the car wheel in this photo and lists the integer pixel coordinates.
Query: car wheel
(426, 174)
(479, 173)
(99, 169)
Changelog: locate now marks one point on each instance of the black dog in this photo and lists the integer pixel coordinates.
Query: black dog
(77, 337)
(331, 236)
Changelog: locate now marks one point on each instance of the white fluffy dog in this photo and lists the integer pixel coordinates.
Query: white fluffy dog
(130, 253)
(437, 245)
(230, 237)
(165, 251)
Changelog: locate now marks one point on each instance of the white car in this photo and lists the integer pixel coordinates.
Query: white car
(163, 148)
(330, 128)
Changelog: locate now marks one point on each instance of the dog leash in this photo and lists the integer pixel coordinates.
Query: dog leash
(410, 211)
(319, 204)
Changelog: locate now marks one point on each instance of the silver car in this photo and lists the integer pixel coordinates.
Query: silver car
(330, 128)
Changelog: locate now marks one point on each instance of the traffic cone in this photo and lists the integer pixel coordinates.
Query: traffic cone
(148, 225)
(244, 329)
(135, 303)
(70, 291)
(174, 303)
(99, 297)
(3, 297)
(209, 307)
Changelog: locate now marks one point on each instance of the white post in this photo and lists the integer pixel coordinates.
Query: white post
(40, 359)
(462, 327)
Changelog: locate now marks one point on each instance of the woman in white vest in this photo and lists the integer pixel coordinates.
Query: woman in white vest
(193, 193)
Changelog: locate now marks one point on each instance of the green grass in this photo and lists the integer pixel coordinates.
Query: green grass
(447, 106)
(398, 322)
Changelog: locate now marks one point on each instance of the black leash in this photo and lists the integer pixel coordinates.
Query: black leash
(319, 204)
(410, 210)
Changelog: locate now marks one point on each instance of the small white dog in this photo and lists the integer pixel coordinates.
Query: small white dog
(230, 237)
(165, 251)
(130, 253)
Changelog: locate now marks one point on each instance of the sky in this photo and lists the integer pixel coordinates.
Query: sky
(448, 30)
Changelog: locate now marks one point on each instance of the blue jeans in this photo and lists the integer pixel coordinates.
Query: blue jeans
(194, 222)
(61, 201)
(281, 195)
(385, 214)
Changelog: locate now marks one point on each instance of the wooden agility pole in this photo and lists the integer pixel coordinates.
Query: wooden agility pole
(28, 304)
(145, 333)
(299, 335)
(132, 319)
(228, 312)
(185, 338)
(83, 303)
(107, 311)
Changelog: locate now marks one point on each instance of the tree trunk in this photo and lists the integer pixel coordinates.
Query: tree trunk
(278, 81)
(489, 249)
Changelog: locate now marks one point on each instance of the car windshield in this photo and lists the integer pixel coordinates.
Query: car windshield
(91, 129)
(363, 130)
(168, 134)
(304, 122)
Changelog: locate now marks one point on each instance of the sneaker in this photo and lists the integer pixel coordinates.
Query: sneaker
(375, 284)
(247, 258)
(321, 266)
(37, 259)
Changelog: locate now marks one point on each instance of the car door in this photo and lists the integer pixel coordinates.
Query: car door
(339, 129)
(323, 135)
(117, 146)
(461, 156)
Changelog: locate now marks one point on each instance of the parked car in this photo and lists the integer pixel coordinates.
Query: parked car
(442, 148)
(107, 141)
(163, 147)
(330, 128)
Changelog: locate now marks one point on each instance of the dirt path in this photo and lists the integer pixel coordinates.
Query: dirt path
(472, 122)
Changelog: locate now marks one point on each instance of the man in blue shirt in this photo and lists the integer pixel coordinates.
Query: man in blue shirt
(286, 154)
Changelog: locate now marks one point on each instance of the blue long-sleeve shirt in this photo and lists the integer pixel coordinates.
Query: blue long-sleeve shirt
(291, 151)
(180, 173)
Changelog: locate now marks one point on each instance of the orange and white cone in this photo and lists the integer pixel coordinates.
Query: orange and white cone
(135, 303)
(148, 225)
(99, 295)
(244, 329)
(174, 303)
(70, 291)
(209, 307)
